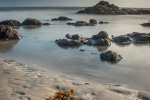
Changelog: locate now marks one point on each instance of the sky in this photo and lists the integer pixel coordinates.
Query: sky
(79, 3)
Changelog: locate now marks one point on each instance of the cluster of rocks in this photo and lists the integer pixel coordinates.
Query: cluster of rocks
(61, 18)
(7, 33)
(91, 22)
(100, 39)
(26, 22)
(104, 7)
(135, 37)
(146, 24)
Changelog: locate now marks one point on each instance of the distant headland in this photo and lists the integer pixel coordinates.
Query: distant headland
(104, 7)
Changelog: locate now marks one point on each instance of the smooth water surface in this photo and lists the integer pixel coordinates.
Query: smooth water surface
(37, 47)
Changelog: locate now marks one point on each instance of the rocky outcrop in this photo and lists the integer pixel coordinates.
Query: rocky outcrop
(10, 22)
(104, 7)
(110, 56)
(7, 33)
(61, 18)
(122, 39)
(31, 21)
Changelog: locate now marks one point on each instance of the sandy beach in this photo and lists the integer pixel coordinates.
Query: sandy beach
(22, 82)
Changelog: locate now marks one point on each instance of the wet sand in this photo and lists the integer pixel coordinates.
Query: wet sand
(23, 82)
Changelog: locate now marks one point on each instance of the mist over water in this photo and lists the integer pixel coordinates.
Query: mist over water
(37, 47)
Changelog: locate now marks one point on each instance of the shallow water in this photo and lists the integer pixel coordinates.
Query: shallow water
(37, 47)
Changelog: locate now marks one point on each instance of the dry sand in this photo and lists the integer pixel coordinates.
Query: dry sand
(22, 82)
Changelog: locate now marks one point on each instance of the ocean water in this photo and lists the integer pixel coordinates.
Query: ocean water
(37, 46)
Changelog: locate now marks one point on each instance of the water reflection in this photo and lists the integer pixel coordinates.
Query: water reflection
(7, 46)
(101, 48)
(30, 27)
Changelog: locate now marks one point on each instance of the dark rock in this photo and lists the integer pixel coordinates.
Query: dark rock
(7, 33)
(123, 39)
(46, 24)
(146, 24)
(73, 37)
(68, 36)
(82, 23)
(93, 21)
(10, 22)
(101, 34)
(61, 18)
(102, 22)
(82, 50)
(31, 21)
(104, 7)
(140, 38)
(67, 42)
(110, 56)
(102, 42)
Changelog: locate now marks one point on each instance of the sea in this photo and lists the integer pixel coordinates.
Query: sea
(38, 48)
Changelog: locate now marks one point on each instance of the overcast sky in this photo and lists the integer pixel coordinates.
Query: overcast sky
(121, 3)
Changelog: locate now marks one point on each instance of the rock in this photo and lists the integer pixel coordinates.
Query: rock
(10, 22)
(73, 37)
(104, 7)
(123, 39)
(140, 38)
(31, 21)
(7, 33)
(146, 24)
(80, 23)
(110, 56)
(102, 22)
(101, 34)
(46, 24)
(61, 18)
(93, 21)
(102, 42)
(67, 42)
(82, 50)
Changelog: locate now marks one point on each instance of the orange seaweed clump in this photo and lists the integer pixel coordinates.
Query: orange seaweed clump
(62, 95)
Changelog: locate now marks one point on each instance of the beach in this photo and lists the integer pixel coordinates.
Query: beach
(21, 82)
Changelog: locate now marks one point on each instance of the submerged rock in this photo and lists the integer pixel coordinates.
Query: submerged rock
(140, 38)
(81, 23)
(61, 18)
(10, 22)
(46, 24)
(110, 56)
(7, 33)
(102, 22)
(123, 39)
(146, 24)
(31, 21)
(67, 42)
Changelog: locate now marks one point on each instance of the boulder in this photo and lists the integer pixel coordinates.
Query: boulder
(31, 21)
(61, 18)
(93, 21)
(122, 40)
(101, 34)
(73, 37)
(7, 33)
(67, 42)
(110, 56)
(10, 22)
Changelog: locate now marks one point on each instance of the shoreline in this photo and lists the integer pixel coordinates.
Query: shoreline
(24, 82)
